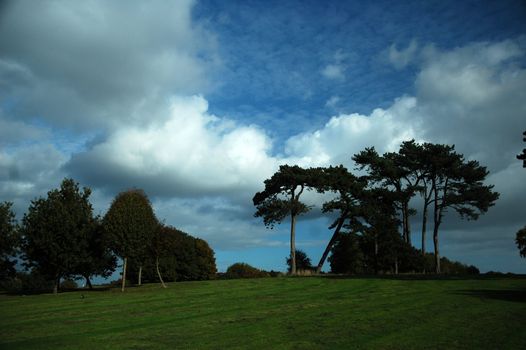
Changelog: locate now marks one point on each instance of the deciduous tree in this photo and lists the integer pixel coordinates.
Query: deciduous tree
(520, 240)
(9, 240)
(56, 230)
(129, 224)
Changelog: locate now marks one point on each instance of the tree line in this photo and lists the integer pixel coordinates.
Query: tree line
(377, 205)
(60, 237)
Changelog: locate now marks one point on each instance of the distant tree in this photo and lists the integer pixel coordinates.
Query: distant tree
(281, 198)
(457, 184)
(56, 231)
(520, 239)
(302, 261)
(9, 240)
(128, 225)
(243, 270)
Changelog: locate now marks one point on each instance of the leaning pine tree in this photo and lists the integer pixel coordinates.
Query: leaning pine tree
(129, 224)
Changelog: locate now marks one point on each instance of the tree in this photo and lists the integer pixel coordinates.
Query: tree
(520, 239)
(522, 156)
(55, 231)
(9, 240)
(455, 184)
(302, 261)
(97, 258)
(129, 224)
(243, 270)
(179, 257)
(281, 198)
(350, 190)
(346, 254)
(396, 171)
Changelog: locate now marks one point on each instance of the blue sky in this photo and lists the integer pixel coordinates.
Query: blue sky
(197, 102)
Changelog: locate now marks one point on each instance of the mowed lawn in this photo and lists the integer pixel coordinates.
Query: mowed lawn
(275, 313)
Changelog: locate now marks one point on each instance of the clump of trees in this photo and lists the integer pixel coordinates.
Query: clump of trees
(243, 270)
(176, 256)
(375, 209)
(60, 239)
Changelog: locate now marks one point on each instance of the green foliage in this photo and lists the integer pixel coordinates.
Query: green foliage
(56, 231)
(243, 270)
(130, 224)
(181, 258)
(27, 283)
(520, 240)
(9, 241)
(302, 261)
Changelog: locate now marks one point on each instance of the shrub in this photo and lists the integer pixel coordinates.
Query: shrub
(27, 283)
(69, 284)
(243, 270)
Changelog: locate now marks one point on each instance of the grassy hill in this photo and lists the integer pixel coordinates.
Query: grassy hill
(275, 313)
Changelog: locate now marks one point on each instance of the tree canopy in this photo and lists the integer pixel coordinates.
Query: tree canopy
(129, 224)
(56, 231)
(281, 198)
(9, 240)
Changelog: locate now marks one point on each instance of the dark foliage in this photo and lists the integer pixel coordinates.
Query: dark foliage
(302, 261)
(9, 241)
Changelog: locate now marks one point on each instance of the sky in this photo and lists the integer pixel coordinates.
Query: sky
(198, 102)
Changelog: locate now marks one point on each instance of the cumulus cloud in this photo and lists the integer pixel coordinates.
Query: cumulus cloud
(191, 153)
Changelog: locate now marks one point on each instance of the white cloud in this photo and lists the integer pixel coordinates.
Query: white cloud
(332, 101)
(333, 72)
(402, 58)
(191, 152)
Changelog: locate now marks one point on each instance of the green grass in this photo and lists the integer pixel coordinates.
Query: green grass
(278, 313)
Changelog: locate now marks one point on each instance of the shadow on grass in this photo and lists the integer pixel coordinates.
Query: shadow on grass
(430, 276)
(514, 295)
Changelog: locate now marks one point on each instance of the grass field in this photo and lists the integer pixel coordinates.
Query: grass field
(275, 313)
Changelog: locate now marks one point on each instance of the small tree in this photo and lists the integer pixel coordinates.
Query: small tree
(128, 225)
(302, 261)
(520, 239)
(9, 240)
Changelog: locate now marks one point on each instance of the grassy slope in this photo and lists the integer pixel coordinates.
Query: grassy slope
(279, 313)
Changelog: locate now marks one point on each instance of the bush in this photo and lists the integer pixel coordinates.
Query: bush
(243, 270)
(27, 283)
(69, 284)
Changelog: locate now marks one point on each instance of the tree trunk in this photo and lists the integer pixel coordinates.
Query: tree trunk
(375, 255)
(124, 273)
(88, 282)
(334, 237)
(407, 233)
(293, 244)
(56, 285)
(436, 224)
(140, 275)
(396, 265)
(437, 253)
(424, 228)
(159, 272)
